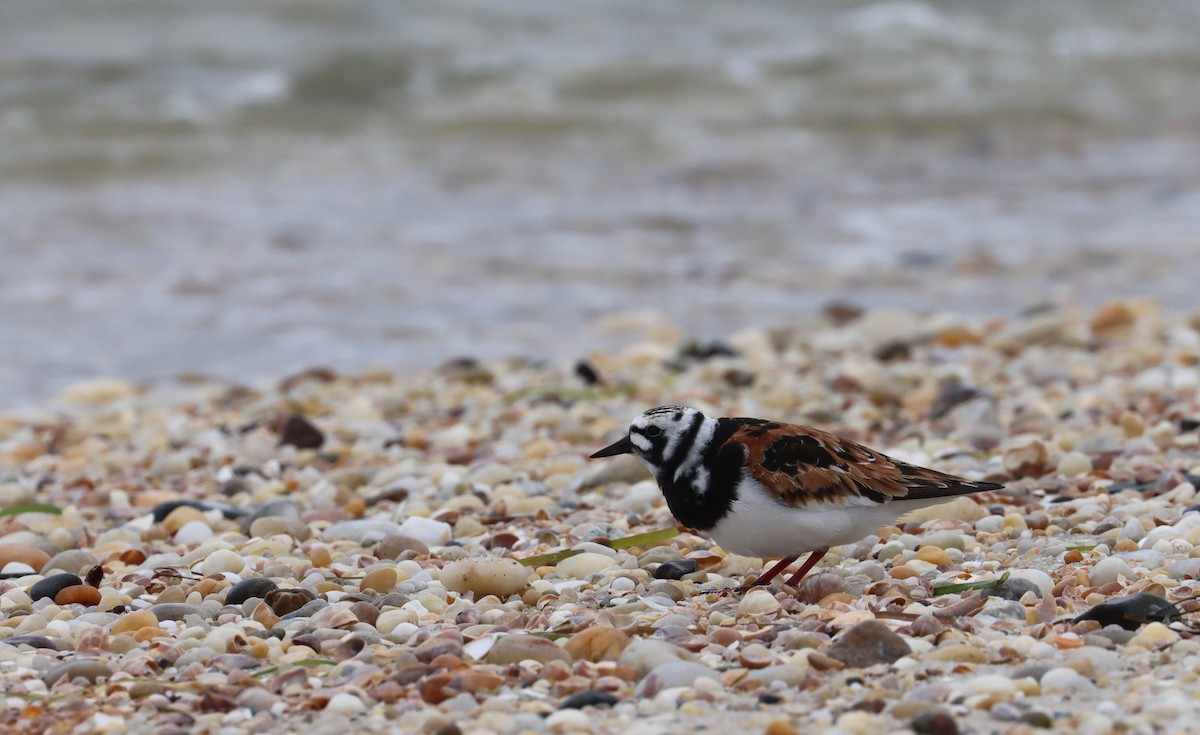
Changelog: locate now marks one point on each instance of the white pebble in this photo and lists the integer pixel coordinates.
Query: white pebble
(1110, 569)
(1037, 577)
(485, 576)
(582, 566)
(427, 530)
(222, 560)
(758, 602)
(1064, 681)
(344, 703)
(622, 584)
(1074, 464)
(1133, 530)
(193, 532)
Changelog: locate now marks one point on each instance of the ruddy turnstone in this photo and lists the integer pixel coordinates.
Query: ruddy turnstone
(769, 489)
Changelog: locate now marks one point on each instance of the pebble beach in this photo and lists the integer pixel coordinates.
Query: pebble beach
(432, 552)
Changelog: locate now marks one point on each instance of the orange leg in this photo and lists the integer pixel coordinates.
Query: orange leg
(809, 563)
(773, 572)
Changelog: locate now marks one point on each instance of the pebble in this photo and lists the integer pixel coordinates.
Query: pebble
(597, 643)
(487, 575)
(425, 530)
(273, 525)
(868, 643)
(583, 566)
(52, 585)
(361, 529)
(1074, 464)
(32, 557)
(80, 668)
(222, 560)
(254, 587)
(344, 703)
(1064, 681)
(589, 698)
(644, 654)
(72, 561)
(512, 649)
(673, 674)
(675, 569)
(394, 544)
(1110, 569)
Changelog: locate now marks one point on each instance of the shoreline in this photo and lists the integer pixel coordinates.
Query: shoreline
(383, 513)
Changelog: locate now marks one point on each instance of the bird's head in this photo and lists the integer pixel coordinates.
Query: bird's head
(656, 435)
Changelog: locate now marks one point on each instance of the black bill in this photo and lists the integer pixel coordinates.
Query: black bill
(621, 446)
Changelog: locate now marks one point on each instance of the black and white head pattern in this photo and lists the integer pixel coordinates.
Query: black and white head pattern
(672, 439)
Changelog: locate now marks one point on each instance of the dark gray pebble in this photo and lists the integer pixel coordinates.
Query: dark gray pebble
(588, 698)
(52, 585)
(247, 588)
(675, 569)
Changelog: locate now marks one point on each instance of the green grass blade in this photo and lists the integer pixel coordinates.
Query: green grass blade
(30, 508)
(624, 542)
(951, 589)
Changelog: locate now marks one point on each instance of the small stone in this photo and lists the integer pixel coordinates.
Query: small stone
(755, 656)
(32, 557)
(344, 703)
(426, 530)
(1028, 460)
(381, 580)
(364, 529)
(222, 560)
(79, 594)
(1064, 681)
(933, 555)
(134, 621)
(934, 722)
(868, 643)
(80, 668)
(285, 601)
(395, 544)
(273, 525)
(960, 509)
(676, 569)
(302, 434)
(598, 643)
(758, 602)
(52, 585)
(1110, 569)
(177, 611)
(644, 654)
(1154, 636)
(588, 698)
(487, 575)
(512, 649)
(674, 674)
(1074, 464)
(73, 561)
(583, 566)
(963, 652)
(192, 533)
(247, 588)
(780, 727)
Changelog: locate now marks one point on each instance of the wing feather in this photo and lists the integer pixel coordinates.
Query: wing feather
(808, 466)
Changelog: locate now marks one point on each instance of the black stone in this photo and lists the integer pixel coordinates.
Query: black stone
(949, 396)
(934, 722)
(1037, 719)
(586, 372)
(706, 350)
(675, 569)
(247, 588)
(1133, 612)
(1186, 425)
(301, 434)
(52, 585)
(162, 510)
(588, 698)
(768, 698)
(35, 641)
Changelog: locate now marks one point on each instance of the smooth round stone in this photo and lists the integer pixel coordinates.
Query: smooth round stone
(192, 533)
(582, 566)
(222, 560)
(134, 621)
(177, 610)
(247, 588)
(360, 529)
(74, 561)
(512, 649)
(1133, 530)
(275, 508)
(589, 698)
(1110, 569)
(344, 703)
(31, 557)
(273, 525)
(658, 555)
(1038, 579)
(674, 674)
(645, 654)
(52, 585)
(676, 569)
(395, 544)
(1074, 464)
(486, 576)
(426, 530)
(85, 668)
(1064, 681)
(622, 584)
(378, 580)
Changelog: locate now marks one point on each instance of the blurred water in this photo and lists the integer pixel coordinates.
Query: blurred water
(248, 189)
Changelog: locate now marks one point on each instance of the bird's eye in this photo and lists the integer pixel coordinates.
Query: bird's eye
(653, 431)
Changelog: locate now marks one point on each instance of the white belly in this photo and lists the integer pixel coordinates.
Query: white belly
(759, 525)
